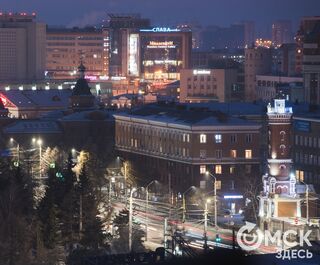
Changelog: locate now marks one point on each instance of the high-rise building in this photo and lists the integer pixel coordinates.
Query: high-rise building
(67, 47)
(159, 53)
(281, 32)
(249, 33)
(258, 61)
(120, 26)
(22, 47)
(308, 50)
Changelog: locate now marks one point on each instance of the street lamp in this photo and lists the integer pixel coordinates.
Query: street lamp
(184, 208)
(17, 148)
(39, 143)
(206, 225)
(147, 205)
(215, 198)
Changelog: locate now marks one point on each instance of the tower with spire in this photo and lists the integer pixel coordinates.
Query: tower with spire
(82, 98)
(279, 200)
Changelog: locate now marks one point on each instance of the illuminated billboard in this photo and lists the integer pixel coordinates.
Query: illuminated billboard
(133, 65)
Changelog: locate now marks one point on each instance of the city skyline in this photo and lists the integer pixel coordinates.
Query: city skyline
(207, 13)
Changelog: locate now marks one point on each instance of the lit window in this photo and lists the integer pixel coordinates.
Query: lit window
(218, 169)
(218, 138)
(232, 169)
(203, 169)
(233, 153)
(248, 154)
(299, 175)
(203, 138)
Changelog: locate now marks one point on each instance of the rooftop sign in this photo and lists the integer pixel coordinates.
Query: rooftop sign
(160, 29)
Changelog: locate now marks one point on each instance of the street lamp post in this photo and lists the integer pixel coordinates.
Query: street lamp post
(307, 200)
(147, 206)
(215, 198)
(206, 225)
(39, 142)
(17, 149)
(130, 218)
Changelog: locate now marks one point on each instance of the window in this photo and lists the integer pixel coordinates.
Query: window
(218, 153)
(218, 138)
(299, 175)
(249, 138)
(203, 153)
(248, 154)
(203, 169)
(232, 169)
(233, 138)
(232, 184)
(233, 153)
(218, 169)
(203, 138)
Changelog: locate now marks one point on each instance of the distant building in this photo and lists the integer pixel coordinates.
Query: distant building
(258, 61)
(308, 41)
(207, 85)
(268, 87)
(287, 59)
(249, 33)
(67, 47)
(177, 145)
(120, 26)
(281, 32)
(22, 42)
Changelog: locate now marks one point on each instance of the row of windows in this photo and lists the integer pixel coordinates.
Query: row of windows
(218, 138)
(307, 141)
(202, 86)
(218, 169)
(309, 159)
(202, 78)
(233, 154)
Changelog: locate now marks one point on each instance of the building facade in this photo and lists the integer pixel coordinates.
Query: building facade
(307, 149)
(177, 146)
(159, 54)
(205, 85)
(258, 61)
(22, 42)
(67, 47)
(281, 32)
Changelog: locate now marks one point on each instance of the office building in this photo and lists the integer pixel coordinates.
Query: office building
(67, 47)
(119, 27)
(22, 42)
(207, 85)
(258, 61)
(308, 39)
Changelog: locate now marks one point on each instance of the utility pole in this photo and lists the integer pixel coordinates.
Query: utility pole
(183, 208)
(130, 219)
(80, 217)
(205, 231)
(109, 194)
(215, 204)
(40, 155)
(125, 180)
(165, 233)
(146, 212)
(307, 197)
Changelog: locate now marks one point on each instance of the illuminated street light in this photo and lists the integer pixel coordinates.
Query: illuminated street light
(215, 198)
(184, 209)
(147, 204)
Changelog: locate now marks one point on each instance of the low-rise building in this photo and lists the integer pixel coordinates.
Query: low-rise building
(177, 145)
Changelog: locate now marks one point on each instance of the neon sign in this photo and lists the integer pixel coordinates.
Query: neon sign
(160, 29)
(161, 44)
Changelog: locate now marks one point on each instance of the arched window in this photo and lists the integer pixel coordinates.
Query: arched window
(282, 148)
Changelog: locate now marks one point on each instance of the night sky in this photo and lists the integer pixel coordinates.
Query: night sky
(168, 12)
